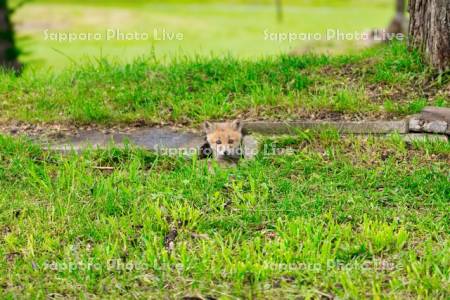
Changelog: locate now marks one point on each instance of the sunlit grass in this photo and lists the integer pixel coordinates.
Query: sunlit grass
(191, 90)
(221, 29)
(343, 216)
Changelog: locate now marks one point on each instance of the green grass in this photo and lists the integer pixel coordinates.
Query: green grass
(340, 216)
(335, 216)
(219, 28)
(190, 90)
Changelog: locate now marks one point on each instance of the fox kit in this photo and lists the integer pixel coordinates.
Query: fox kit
(224, 140)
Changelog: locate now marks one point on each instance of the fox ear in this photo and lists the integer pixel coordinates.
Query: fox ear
(237, 125)
(208, 127)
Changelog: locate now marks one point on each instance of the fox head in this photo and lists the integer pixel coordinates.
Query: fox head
(224, 139)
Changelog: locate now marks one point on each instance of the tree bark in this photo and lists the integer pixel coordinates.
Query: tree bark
(400, 7)
(399, 23)
(429, 31)
(8, 50)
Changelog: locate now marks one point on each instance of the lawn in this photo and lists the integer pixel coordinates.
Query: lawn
(384, 82)
(345, 217)
(219, 28)
(313, 215)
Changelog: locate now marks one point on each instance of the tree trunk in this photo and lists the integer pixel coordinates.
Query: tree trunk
(429, 30)
(399, 23)
(400, 7)
(8, 50)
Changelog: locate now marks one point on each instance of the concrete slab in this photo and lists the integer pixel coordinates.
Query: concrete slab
(364, 127)
(424, 137)
(162, 140)
(431, 113)
(431, 120)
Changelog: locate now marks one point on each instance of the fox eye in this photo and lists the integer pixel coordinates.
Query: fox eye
(218, 142)
(230, 141)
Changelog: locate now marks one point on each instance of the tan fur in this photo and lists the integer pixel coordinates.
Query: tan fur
(224, 139)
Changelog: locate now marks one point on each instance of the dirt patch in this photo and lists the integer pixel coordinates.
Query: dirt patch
(300, 113)
(357, 76)
(169, 240)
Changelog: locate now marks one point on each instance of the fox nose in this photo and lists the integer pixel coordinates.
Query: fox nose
(226, 152)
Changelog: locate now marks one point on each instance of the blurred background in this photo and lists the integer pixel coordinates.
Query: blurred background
(187, 27)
